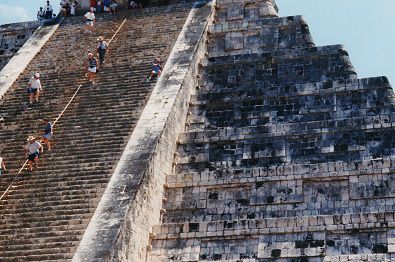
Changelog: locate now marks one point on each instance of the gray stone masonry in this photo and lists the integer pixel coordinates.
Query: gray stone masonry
(255, 145)
(12, 38)
(286, 155)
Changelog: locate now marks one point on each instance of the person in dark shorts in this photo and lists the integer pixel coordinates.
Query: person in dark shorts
(92, 68)
(102, 48)
(48, 132)
(156, 69)
(33, 150)
(34, 88)
(48, 11)
(90, 20)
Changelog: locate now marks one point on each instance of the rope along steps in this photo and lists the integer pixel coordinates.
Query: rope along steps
(58, 118)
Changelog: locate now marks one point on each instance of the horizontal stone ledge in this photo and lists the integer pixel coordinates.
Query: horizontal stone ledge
(251, 228)
(362, 257)
(233, 26)
(281, 131)
(309, 88)
(287, 172)
(281, 54)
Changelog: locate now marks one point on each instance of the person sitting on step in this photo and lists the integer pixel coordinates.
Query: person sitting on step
(34, 88)
(99, 4)
(40, 14)
(135, 4)
(47, 133)
(90, 20)
(33, 150)
(92, 68)
(102, 48)
(2, 166)
(114, 6)
(156, 69)
(106, 6)
(73, 7)
(63, 7)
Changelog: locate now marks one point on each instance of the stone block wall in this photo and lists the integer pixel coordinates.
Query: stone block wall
(12, 38)
(287, 155)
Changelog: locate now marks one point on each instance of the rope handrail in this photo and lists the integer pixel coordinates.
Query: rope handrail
(59, 116)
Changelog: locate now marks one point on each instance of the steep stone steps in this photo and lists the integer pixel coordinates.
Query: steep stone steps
(90, 135)
(61, 255)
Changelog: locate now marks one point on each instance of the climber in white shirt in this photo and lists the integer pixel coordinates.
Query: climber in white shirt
(90, 20)
(48, 11)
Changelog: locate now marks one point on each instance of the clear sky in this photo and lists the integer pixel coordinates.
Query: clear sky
(365, 27)
(22, 10)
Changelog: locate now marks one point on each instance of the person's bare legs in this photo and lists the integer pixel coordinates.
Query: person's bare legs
(36, 162)
(30, 165)
(31, 96)
(92, 77)
(47, 143)
(89, 28)
(37, 95)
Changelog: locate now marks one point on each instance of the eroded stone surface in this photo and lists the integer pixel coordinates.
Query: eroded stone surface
(12, 38)
(287, 155)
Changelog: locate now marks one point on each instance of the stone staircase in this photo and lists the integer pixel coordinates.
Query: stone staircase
(44, 214)
(287, 155)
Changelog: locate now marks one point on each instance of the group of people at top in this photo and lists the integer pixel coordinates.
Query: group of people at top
(34, 148)
(100, 6)
(46, 12)
(68, 8)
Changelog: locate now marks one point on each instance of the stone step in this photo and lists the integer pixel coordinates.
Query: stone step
(25, 230)
(34, 225)
(46, 214)
(59, 255)
(73, 218)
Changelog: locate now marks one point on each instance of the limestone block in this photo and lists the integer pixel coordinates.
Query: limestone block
(266, 9)
(235, 11)
(234, 41)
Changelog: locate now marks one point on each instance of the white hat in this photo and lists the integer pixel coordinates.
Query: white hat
(37, 75)
(30, 138)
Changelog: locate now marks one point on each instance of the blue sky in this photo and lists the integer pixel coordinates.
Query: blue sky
(365, 27)
(22, 10)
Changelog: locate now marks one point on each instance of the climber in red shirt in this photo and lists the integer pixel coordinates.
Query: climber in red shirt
(93, 5)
